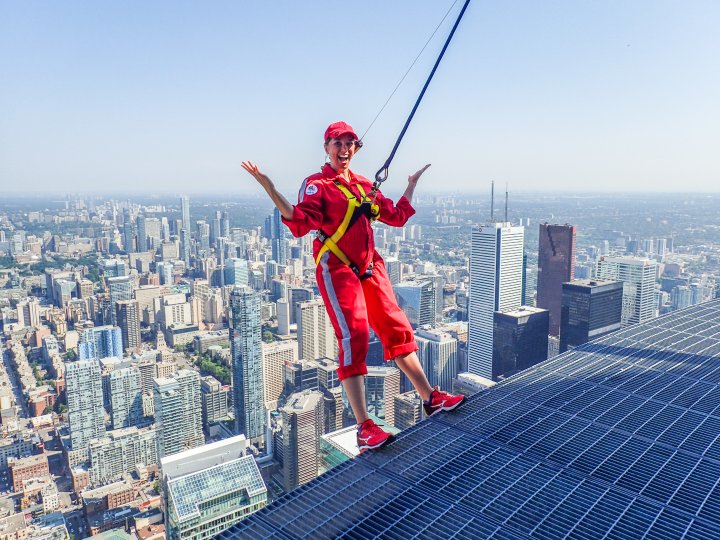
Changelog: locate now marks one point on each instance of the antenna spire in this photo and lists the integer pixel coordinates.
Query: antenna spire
(506, 201)
(492, 201)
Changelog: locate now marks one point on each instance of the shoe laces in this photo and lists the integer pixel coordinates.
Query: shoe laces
(370, 427)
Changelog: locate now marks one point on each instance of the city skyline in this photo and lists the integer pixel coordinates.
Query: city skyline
(216, 341)
(139, 98)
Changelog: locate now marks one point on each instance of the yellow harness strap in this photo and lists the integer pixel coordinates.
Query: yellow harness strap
(330, 243)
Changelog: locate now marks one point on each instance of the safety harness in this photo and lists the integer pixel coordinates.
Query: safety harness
(365, 206)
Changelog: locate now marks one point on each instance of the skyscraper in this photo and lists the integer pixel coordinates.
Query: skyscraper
(520, 340)
(101, 342)
(590, 310)
(121, 288)
(274, 356)
(437, 351)
(247, 369)
(417, 300)
(141, 234)
(278, 239)
(299, 376)
(178, 412)
(638, 277)
(495, 285)
(408, 409)
(681, 297)
(393, 267)
(153, 230)
(85, 402)
(316, 337)
(185, 211)
(303, 425)
(215, 230)
(128, 319)
(185, 246)
(297, 296)
(556, 265)
(382, 384)
(165, 271)
(283, 316)
(225, 224)
(126, 407)
(129, 237)
(236, 272)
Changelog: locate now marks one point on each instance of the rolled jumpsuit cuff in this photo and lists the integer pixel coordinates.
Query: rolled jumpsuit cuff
(352, 370)
(400, 350)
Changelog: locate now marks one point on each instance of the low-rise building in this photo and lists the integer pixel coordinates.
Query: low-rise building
(14, 446)
(24, 469)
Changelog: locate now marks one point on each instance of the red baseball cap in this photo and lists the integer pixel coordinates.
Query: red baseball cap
(338, 129)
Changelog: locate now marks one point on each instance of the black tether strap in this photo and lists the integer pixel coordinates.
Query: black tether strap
(379, 178)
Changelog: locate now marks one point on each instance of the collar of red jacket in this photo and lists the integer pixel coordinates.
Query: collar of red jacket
(331, 174)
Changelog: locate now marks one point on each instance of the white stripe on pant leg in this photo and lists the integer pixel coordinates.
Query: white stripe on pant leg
(335, 305)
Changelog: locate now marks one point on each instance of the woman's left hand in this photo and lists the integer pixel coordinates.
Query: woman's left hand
(413, 178)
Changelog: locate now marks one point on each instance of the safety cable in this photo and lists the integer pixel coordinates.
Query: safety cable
(379, 179)
(408, 69)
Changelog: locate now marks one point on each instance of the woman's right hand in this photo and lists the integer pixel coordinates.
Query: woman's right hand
(253, 169)
(286, 209)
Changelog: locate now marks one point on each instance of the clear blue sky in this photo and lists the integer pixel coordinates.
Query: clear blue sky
(170, 96)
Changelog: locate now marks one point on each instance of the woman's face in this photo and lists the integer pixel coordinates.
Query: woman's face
(341, 152)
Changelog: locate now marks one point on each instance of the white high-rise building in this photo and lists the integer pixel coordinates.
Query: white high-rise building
(85, 402)
(125, 397)
(178, 412)
(316, 338)
(638, 277)
(185, 210)
(283, 316)
(496, 263)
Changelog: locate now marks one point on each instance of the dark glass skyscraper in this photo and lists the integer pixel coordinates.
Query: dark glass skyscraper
(520, 340)
(556, 265)
(590, 309)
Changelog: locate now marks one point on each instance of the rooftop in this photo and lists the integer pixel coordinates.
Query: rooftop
(595, 282)
(189, 492)
(204, 456)
(619, 438)
(522, 311)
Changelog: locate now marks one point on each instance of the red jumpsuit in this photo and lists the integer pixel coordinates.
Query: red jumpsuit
(321, 205)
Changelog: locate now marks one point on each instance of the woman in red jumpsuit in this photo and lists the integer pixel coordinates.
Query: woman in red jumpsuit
(360, 295)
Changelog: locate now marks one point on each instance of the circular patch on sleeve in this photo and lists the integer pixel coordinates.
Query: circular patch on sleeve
(312, 189)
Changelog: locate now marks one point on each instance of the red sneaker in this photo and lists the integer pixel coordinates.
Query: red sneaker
(370, 436)
(442, 401)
